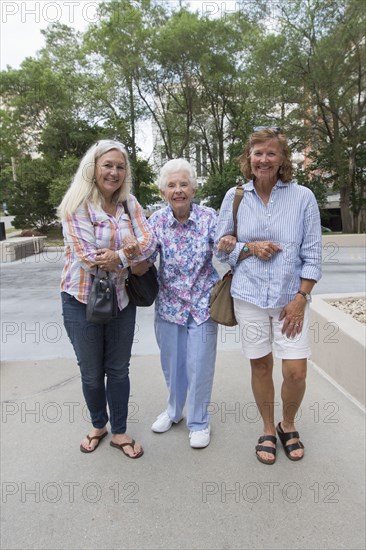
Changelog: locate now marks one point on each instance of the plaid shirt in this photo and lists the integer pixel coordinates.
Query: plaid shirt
(89, 229)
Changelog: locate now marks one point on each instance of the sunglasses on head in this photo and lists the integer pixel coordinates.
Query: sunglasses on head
(276, 129)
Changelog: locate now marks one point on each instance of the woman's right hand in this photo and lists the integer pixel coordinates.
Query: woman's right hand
(264, 250)
(140, 268)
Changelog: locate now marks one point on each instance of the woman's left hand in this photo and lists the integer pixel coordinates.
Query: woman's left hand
(293, 315)
(131, 247)
(108, 260)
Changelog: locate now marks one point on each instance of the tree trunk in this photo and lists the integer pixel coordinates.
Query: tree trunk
(136, 182)
(352, 185)
(347, 222)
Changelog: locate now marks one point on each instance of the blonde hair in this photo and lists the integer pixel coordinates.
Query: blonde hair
(261, 136)
(83, 186)
(173, 166)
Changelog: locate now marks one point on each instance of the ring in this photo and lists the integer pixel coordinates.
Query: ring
(297, 324)
(269, 255)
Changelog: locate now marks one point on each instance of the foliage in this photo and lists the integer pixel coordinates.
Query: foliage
(29, 198)
(205, 82)
(143, 172)
(218, 184)
(329, 70)
(318, 183)
(63, 174)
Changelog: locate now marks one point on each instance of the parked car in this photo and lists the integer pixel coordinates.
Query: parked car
(151, 208)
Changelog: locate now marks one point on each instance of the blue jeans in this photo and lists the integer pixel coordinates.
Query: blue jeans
(102, 351)
(188, 355)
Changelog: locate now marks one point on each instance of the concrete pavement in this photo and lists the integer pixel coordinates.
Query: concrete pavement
(174, 497)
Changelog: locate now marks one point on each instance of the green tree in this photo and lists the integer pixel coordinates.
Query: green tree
(219, 183)
(205, 82)
(326, 59)
(191, 83)
(115, 50)
(29, 196)
(145, 175)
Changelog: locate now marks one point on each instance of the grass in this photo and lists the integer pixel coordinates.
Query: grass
(54, 237)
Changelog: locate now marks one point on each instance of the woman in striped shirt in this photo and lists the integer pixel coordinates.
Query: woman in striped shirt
(276, 259)
(98, 232)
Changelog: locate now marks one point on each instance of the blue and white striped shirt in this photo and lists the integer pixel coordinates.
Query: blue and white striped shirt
(291, 219)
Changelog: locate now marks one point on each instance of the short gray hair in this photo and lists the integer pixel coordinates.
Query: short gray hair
(173, 166)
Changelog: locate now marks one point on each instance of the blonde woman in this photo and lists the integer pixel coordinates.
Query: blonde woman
(98, 232)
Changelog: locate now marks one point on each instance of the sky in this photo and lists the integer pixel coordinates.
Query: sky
(23, 20)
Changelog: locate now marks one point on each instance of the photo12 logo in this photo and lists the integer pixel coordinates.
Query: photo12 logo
(269, 491)
(49, 12)
(67, 11)
(69, 491)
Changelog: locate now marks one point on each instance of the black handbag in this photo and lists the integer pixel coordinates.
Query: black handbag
(102, 303)
(141, 289)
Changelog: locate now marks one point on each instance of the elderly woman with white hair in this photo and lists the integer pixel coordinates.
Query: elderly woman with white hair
(186, 335)
(98, 232)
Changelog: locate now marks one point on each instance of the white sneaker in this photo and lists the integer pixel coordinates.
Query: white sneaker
(200, 439)
(163, 423)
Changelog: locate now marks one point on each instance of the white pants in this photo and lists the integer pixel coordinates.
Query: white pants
(188, 355)
(260, 330)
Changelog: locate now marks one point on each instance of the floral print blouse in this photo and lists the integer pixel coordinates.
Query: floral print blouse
(186, 273)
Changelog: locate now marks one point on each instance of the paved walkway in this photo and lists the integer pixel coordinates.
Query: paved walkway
(174, 497)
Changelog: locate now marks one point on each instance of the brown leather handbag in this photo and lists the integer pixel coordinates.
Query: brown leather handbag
(221, 301)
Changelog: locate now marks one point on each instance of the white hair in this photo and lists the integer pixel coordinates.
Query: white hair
(173, 166)
(83, 186)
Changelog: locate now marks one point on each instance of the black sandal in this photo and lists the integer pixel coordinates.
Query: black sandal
(271, 450)
(285, 437)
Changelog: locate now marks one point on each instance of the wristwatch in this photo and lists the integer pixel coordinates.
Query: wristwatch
(245, 249)
(305, 294)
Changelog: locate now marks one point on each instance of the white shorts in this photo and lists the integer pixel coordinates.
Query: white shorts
(260, 332)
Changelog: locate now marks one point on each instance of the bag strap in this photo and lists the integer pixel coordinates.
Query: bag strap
(125, 206)
(99, 269)
(239, 194)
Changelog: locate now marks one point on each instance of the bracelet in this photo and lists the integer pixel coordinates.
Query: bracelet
(304, 294)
